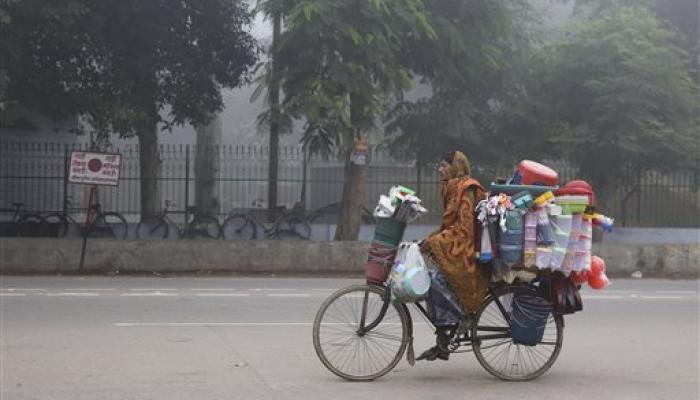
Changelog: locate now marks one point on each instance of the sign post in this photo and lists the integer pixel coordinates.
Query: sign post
(94, 169)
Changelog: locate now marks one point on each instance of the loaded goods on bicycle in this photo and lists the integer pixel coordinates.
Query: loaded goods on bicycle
(533, 241)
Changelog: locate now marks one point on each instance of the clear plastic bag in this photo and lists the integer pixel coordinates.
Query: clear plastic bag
(409, 279)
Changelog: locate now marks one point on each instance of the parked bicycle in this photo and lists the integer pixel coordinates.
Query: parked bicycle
(359, 335)
(245, 226)
(103, 224)
(198, 226)
(23, 223)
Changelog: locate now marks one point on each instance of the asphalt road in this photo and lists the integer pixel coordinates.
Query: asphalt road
(250, 338)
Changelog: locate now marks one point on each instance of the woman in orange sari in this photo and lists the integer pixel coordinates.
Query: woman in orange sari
(452, 253)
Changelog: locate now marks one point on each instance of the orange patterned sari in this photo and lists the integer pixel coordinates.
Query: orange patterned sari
(452, 246)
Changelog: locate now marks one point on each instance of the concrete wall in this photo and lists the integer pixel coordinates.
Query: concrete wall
(27, 256)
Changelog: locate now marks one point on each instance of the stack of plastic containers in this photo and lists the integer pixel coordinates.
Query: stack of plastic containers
(561, 224)
(530, 244)
(510, 244)
(584, 245)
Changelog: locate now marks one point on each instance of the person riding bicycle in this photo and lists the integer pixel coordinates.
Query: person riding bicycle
(458, 285)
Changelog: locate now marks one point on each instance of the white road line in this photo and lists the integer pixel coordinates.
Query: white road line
(661, 297)
(212, 289)
(12, 294)
(289, 295)
(154, 294)
(92, 289)
(230, 324)
(222, 294)
(609, 297)
(676, 291)
(24, 289)
(272, 290)
(153, 289)
(205, 324)
(73, 294)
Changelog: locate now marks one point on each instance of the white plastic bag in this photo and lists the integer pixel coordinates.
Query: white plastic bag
(409, 280)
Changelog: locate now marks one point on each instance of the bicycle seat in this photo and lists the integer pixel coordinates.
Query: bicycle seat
(17, 205)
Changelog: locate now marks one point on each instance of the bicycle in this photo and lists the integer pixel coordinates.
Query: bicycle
(359, 335)
(287, 225)
(103, 224)
(158, 226)
(23, 223)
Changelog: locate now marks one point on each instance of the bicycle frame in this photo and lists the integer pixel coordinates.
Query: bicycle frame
(364, 329)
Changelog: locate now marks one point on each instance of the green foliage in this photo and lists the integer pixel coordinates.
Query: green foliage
(343, 60)
(471, 69)
(120, 63)
(615, 94)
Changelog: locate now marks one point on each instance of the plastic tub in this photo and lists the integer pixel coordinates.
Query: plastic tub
(543, 257)
(511, 238)
(529, 258)
(510, 254)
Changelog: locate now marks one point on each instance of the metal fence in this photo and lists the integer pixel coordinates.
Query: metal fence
(34, 174)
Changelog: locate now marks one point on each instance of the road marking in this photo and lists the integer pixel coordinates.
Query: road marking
(676, 291)
(272, 290)
(72, 294)
(152, 289)
(661, 297)
(205, 324)
(92, 289)
(212, 289)
(232, 324)
(605, 297)
(12, 294)
(25, 289)
(153, 294)
(222, 294)
(289, 295)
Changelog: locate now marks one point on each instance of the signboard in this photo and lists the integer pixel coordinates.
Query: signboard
(94, 168)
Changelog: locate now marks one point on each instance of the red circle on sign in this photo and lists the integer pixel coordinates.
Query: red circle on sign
(94, 165)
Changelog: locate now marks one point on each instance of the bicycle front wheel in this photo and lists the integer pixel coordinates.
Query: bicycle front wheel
(109, 225)
(238, 227)
(493, 343)
(348, 350)
(203, 227)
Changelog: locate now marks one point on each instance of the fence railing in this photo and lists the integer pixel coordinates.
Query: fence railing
(34, 174)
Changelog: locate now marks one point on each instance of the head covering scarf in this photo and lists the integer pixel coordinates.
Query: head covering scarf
(452, 246)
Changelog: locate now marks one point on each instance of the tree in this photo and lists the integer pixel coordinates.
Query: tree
(343, 61)
(121, 63)
(472, 70)
(206, 165)
(616, 93)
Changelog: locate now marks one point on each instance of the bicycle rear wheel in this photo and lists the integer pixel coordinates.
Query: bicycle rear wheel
(203, 227)
(153, 227)
(56, 225)
(351, 352)
(294, 229)
(29, 225)
(238, 227)
(109, 225)
(495, 348)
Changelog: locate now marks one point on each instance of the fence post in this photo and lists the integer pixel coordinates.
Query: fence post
(66, 169)
(187, 183)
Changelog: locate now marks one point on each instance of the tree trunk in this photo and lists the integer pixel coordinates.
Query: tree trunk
(354, 189)
(274, 97)
(206, 166)
(149, 163)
